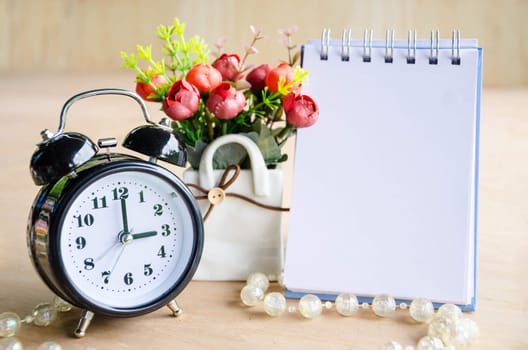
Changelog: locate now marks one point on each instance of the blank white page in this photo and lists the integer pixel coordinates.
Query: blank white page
(384, 185)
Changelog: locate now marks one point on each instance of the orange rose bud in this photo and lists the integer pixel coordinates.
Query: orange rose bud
(147, 92)
(204, 76)
(283, 72)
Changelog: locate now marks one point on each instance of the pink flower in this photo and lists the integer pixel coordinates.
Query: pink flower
(301, 110)
(257, 78)
(182, 100)
(204, 76)
(225, 101)
(228, 66)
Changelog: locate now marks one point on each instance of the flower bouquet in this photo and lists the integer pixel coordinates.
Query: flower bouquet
(230, 115)
(206, 101)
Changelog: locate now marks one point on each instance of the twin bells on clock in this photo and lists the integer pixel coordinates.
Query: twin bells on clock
(61, 153)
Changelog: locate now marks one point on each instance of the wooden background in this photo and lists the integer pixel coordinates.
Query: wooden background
(87, 36)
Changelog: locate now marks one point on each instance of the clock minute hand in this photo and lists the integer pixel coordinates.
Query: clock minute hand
(124, 216)
(144, 234)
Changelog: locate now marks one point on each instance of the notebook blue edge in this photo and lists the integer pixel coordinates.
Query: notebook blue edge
(468, 307)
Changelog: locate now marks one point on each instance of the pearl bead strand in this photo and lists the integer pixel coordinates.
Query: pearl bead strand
(42, 315)
(447, 329)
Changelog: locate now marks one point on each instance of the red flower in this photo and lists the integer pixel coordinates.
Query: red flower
(204, 76)
(301, 110)
(257, 78)
(225, 101)
(182, 100)
(228, 66)
(147, 92)
(283, 72)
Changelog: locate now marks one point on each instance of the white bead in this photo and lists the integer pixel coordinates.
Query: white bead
(44, 314)
(259, 280)
(441, 328)
(430, 343)
(251, 295)
(472, 328)
(61, 305)
(383, 305)
(310, 306)
(393, 345)
(274, 304)
(328, 305)
(49, 345)
(10, 344)
(9, 324)
(421, 310)
(403, 306)
(280, 280)
(450, 311)
(365, 306)
(28, 319)
(464, 332)
(292, 309)
(346, 304)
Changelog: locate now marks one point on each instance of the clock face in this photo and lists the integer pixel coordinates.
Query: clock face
(127, 239)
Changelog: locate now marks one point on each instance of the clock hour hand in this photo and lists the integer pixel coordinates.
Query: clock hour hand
(144, 234)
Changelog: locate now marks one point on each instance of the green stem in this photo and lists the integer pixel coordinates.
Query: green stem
(284, 134)
(210, 124)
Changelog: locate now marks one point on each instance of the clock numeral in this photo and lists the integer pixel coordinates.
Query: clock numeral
(158, 209)
(81, 242)
(161, 252)
(141, 197)
(148, 270)
(98, 203)
(87, 220)
(89, 264)
(128, 278)
(165, 230)
(106, 276)
(120, 193)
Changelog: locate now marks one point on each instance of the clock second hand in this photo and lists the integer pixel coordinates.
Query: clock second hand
(116, 261)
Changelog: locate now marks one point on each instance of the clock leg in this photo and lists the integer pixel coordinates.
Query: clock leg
(175, 308)
(84, 322)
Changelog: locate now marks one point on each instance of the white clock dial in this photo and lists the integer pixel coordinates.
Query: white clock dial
(122, 239)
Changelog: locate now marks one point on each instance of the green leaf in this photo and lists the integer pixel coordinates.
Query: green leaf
(271, 152)
(194, 153)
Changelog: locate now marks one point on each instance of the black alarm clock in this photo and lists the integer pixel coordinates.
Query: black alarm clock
(109, 232)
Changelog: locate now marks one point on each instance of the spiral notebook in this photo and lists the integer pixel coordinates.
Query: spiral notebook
(384, 196)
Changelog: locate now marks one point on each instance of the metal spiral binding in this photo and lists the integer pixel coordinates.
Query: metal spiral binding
(367, 45)
(411, 47)
(345, 45)
(435, 43)
(389, 46)
(325, 42)
(455, 48)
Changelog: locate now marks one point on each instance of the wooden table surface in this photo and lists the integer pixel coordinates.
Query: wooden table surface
(214, 318)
